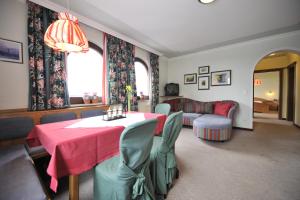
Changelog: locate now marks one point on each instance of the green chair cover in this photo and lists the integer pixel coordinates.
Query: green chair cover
(163, 167)
(163, 108)
(127, 176)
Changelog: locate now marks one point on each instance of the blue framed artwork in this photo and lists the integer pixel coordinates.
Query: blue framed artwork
(11, 51)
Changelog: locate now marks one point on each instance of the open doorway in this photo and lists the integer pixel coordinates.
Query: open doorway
(267, 93)
(274, 87)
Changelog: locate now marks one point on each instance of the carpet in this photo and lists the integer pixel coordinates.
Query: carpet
(259, 165)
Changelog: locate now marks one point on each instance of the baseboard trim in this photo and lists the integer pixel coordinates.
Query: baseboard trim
(234, 127)
(241, 128)
(298, 126)
(283, 118)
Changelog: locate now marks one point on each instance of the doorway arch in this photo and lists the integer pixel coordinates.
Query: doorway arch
(292, 62)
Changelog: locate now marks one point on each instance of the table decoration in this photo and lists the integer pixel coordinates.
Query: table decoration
(129, 95)
(114, 113)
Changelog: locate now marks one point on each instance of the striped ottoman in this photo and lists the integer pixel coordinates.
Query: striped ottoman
(212, 127)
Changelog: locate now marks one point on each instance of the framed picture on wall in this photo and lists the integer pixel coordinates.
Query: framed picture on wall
(203, 83)
(190, 78)
(220, 78)
(11, 51)
(203, 70)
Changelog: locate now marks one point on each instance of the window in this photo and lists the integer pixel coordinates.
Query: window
(85, 72)
(142, 77)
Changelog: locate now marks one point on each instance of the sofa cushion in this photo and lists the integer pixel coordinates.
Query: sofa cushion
(57, 117)
(18, 177)
(15, 127)
(204, 107)
(188, 118)
(188, 107)
(222, 108)
(91, 113)
(175, 104)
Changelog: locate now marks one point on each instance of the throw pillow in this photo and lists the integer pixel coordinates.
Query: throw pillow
(188, 107)
(175, 105)
(199, 107)
(222, 108)
(208, 108)
(204, 107)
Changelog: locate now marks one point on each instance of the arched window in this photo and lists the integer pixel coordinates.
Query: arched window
(85, 72)
(142, 77)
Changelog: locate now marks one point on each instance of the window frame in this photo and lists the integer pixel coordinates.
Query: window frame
(75, 101)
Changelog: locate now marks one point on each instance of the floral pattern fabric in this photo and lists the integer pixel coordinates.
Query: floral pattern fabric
(154, 64)
(47, 72)
(121, 72)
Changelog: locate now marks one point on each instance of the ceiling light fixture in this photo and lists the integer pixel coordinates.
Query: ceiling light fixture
(206, 1)
(65, 34)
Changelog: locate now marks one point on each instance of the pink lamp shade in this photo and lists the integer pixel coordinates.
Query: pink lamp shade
(65, 35)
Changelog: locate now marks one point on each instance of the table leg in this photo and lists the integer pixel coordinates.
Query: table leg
(73, 187)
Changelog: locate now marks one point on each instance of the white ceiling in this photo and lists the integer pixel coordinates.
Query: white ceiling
(178, 27)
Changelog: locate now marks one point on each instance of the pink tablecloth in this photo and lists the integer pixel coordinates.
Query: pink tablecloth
(75, 148)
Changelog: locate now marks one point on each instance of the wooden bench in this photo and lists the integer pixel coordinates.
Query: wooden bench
(36, 116)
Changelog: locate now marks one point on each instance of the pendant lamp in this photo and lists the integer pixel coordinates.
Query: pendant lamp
(65, 35)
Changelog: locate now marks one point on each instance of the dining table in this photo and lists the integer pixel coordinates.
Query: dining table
(76, 146)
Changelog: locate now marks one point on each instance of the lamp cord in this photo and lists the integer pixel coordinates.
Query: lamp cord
(68, 6)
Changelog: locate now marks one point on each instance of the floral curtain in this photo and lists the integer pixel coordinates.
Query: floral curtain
(47, 71)
(121, 72)
(154, 64)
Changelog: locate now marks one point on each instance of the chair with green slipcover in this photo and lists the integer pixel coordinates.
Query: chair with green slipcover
(163, 108)
(163, 167)
(127, 176)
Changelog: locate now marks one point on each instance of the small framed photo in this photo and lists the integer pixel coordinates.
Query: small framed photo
(190, 78)
(203, 83)
(220, 78)
(11, 51)
(203, 70)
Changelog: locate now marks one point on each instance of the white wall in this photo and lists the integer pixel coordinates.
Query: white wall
(14, 78)
(270, 82)
(241, 58)
(93, 35)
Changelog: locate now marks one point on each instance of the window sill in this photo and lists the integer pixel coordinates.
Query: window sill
(86, 105)
(145, 100)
